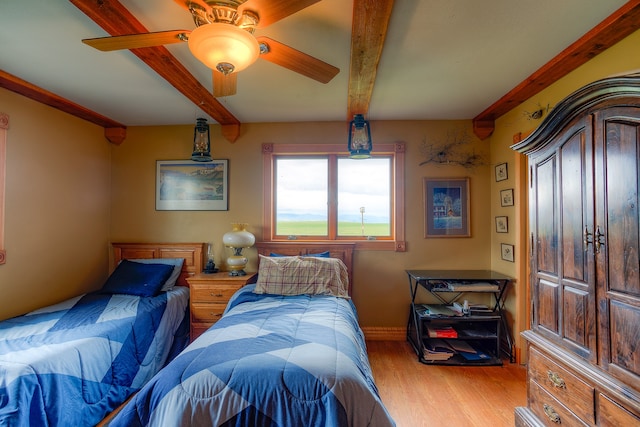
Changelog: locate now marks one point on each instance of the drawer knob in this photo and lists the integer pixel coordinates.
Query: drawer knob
(556, 380)
(213, 294)
(212, 314)
(551, 413)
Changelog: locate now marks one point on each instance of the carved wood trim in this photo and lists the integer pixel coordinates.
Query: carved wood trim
(614, 28)
(4, 127)
(24, 88)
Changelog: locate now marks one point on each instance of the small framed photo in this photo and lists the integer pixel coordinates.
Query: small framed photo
(502, 224)
(506, 197)
(446, 207)
(501, 172)
(506, 252)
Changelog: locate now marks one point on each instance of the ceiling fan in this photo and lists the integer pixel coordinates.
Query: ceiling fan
(223, 39)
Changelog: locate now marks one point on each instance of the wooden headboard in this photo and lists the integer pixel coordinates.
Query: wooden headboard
(343, 251)
(193, 254)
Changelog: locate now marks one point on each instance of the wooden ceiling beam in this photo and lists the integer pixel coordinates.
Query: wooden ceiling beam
(114, 132)
(116, 20)
(369, 30)
(614, 28)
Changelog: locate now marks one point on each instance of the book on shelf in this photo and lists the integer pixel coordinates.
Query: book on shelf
(467, 351)
(460, 346)
(436, 349)
(477, 333)
(442, 332)
(476, 355)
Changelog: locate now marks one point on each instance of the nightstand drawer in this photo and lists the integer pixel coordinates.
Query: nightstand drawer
(213, 293)
(562, 385)
(209, 295)
(208, 313)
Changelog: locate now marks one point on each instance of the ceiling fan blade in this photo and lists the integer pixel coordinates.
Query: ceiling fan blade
(224, 85)
(134, 41)
(271, 11)
(297, 61)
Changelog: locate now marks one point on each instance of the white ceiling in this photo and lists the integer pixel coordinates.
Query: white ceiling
(443, 59)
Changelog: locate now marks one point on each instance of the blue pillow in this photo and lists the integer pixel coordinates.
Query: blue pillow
(134, 278)
(177, 269)
(325, 254)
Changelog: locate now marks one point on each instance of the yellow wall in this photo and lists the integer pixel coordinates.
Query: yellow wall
(619, 59)
(381, 290)
(57, 206)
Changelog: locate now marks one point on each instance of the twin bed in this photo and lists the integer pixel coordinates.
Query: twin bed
(288, 351)
(72, 363)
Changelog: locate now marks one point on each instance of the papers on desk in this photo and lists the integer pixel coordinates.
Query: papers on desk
(438, 310)
(472, 287)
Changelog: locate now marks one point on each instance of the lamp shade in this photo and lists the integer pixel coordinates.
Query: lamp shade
(237, 239)
(359, 138)
(224, 47)
(201, 142)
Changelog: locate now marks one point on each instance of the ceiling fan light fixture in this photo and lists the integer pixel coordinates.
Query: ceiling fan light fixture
(219, 43)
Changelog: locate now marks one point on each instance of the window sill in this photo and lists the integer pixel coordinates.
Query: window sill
(363, 245)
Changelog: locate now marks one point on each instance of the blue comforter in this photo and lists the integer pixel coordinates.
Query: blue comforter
(72, 363)
(269, 361)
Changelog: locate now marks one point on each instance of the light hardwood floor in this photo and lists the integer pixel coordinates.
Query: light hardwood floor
(416, 394)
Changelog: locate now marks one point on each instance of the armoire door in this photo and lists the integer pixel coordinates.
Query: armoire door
(562, 225)
(617, 240)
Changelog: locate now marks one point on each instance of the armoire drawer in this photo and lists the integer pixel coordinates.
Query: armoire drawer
(610, 414)
(549, 410)
(568, 389)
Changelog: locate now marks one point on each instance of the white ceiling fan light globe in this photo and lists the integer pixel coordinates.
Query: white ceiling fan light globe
(220, 43)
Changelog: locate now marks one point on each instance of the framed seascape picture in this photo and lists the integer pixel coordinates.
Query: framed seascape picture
(502, 224)
(506, 197)
(506, 252)
(501, 172)
(446, 207)
(185, 185)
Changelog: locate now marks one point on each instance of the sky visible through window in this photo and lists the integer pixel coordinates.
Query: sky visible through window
(364, 190)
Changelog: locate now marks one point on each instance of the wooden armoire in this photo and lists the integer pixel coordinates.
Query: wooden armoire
(584, 339)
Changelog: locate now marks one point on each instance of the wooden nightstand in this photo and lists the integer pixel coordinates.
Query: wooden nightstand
(209, 295)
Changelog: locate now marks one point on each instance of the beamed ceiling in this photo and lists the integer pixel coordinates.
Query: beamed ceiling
(402, 60)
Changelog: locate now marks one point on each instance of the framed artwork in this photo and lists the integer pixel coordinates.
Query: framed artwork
(185, 185)
(506, 252)
(506, 197)
(502, 224)
(501, 172)
(446, 207)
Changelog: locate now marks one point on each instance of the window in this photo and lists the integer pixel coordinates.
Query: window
(315, 192)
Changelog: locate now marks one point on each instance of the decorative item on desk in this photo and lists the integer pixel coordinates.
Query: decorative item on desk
(201, 142)
(210, 268)
(238, 239)
(360, 145)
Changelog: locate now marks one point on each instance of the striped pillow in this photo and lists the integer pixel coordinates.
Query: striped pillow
(298, 275)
